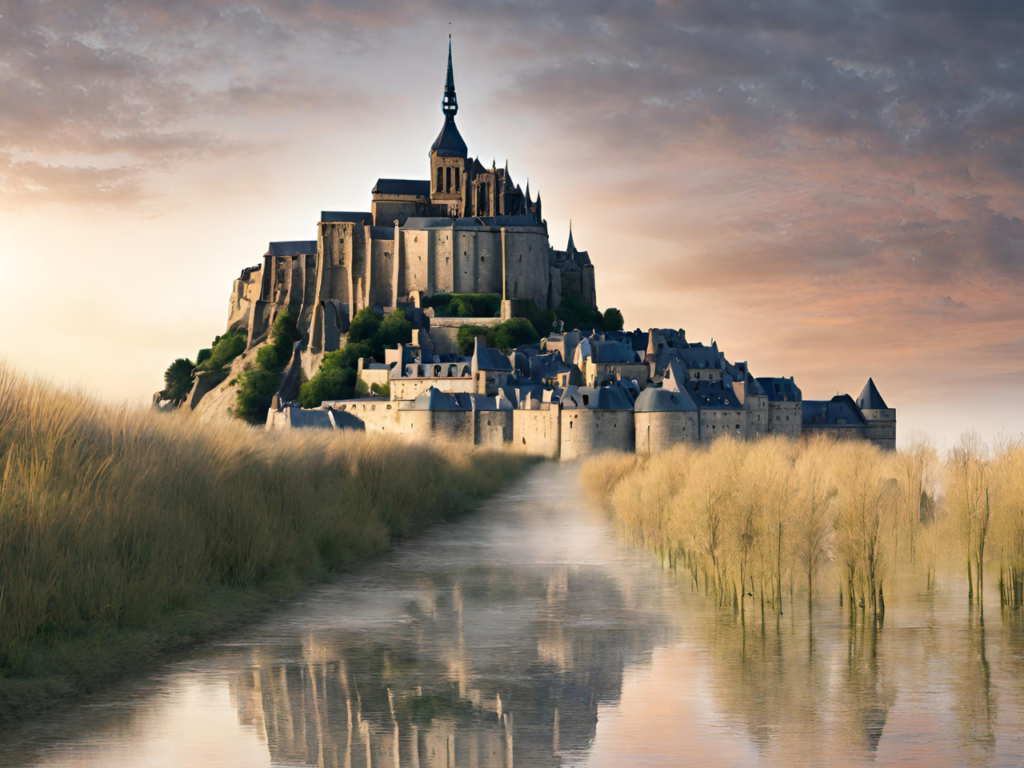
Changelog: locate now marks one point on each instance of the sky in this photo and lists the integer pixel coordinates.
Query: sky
(830, 190)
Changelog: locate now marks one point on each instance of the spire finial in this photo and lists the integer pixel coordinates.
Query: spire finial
(449, 104)
(571, 246)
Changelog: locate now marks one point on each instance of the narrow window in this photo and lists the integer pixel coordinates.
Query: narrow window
(440, 178)
(457, 180)
(448, 180)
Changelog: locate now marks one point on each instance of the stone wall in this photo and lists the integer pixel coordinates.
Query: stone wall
(586, 432)
(715, 423)
(785, 418)
(537, 431)
(658, 431)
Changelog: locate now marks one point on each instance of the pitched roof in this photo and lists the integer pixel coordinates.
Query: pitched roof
(837, 412)
(402, 187)
(611, 398)
(487, 359)
(869, 397)
(780, 388)
(712, 394)
(449, 142)
(613, 352)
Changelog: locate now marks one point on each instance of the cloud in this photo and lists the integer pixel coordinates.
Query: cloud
(848, 170)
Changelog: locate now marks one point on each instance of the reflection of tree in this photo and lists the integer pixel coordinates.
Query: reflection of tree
(975, 705)
(482, 668)
(797, 685)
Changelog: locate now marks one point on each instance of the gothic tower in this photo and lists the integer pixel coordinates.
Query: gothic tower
(448, 154)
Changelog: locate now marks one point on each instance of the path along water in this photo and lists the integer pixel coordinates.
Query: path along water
(528, 635)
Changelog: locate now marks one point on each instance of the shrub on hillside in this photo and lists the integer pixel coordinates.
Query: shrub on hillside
(464, 304)
(258, 383)
(369, 337)
(177, 380)
(224, 349)
(504, 336)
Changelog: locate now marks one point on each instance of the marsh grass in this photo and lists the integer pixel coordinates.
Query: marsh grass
(753, 522)
(120, 522)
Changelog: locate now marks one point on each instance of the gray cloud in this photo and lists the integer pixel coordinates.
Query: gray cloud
(904, 117)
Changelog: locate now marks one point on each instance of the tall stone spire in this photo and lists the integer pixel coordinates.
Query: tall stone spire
(449, 142)
(571, 247)
(449, 103)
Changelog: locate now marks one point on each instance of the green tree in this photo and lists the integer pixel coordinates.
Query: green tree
(178, 380)
(223, 350)
(575, 313)
(395, 329)
(468, 333)
(613, 320)
(364, 325)
(258, 383)
(256, 388)
(513, 333)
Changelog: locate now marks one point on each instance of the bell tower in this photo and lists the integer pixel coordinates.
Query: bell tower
(448, 154)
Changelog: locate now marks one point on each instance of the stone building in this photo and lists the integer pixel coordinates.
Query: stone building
(658, 391)
(466, 228)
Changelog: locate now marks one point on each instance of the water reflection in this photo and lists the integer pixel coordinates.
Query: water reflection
(485, 668)
(528, 636)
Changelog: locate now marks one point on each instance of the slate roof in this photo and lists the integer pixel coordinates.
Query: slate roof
(840, 411)
(780, 389)
(545, 366)
(658, 400)
(488, 359)
(436, 400)
(699, 356)
(292, 248)
(613, 352)
(869, 397)
(402, 187)
(712, 394)
(360, 217)
(613, 398)
(303, 419)
(449, 142)
(754, 387)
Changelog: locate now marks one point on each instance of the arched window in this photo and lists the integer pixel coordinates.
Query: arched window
(440, 178)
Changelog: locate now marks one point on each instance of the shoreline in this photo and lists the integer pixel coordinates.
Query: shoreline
(77, 668)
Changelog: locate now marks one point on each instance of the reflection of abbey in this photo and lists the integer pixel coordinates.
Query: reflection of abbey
(469, 229)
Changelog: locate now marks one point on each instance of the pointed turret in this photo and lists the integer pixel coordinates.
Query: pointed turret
(571, 247)
(870, 397)
(880, 418)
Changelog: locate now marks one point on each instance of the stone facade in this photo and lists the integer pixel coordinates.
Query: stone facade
(465, 229)
(470, 229)
(682, 393)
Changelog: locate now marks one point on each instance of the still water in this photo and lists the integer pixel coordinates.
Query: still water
(528, 635)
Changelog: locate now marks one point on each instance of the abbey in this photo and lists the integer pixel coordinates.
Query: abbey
(470, 235)
(465, 228)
